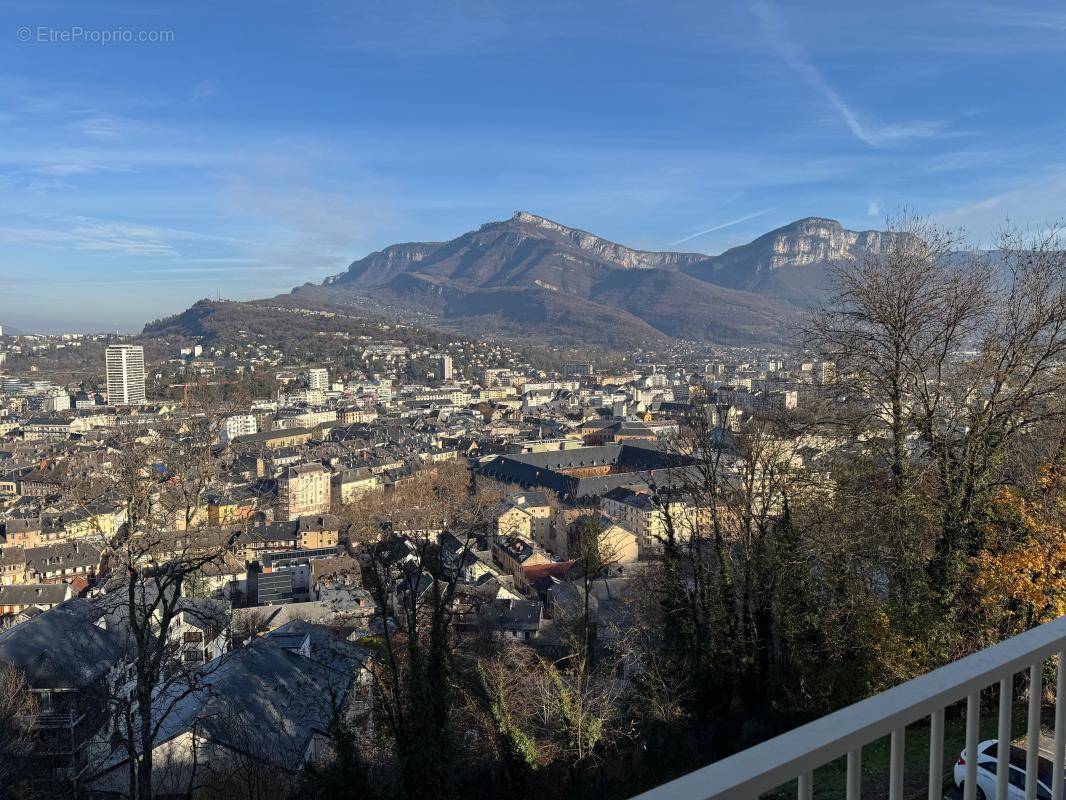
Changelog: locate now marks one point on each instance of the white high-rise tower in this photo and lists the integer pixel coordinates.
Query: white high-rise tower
(318, 378)
(125, 374)
(444, 367)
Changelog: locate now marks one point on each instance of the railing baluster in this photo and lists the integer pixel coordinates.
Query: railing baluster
(1060, 725)
(758, 770)
(1006, 694)
(854, 773)
(895, 775)
(1032, 746)
(936, 755)
(973, 724)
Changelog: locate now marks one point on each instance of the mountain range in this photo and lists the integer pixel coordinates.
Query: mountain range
(530, 276)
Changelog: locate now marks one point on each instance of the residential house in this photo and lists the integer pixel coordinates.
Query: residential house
(274, 440)
(46, 428)
(267, 713)
(303, 490)
(527, 514)
(43, 482)
(14, 599)
(233, 506)
(349, 483)
(24, 531)
(69, 656)
(63, 562)
(12, 564)
(647, 516)
(514, 553)
(508, 620)
(198, 632)
(267, 537)
(317, 531)
(617, 544)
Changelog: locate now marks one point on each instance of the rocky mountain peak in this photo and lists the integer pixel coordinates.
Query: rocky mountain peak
(385, 263)
(807, 241)
(506, 269)
(614, 254)
(534, 219)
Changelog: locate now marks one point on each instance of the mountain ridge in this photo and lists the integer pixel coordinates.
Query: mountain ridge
(747, 293)
(532, 276)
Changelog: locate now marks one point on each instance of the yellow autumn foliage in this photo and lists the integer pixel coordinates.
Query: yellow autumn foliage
(1023, 571)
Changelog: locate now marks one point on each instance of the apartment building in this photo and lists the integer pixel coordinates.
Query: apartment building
(303, 490)
(125, 374)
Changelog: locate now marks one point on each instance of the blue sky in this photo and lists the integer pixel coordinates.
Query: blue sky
(267, 144)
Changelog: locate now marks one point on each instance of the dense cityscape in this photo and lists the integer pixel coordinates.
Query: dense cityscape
(532, 401)
(300, 489)
(425, 562)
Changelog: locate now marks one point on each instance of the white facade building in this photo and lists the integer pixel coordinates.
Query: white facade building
(318, 379)
(57, 401)
(125, 374)
(444, 367)
(238, 425)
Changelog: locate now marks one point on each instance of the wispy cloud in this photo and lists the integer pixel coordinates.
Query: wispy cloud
(225, 260)
(873, 208)
(65, 170)
(225, 269)
(106, 127)
(311, 228)
(86, 239)
(1037, 202)
(722, 225)
(84, 234)
(776, 32)
(1023, 18)
(206, 89)
(145, 281)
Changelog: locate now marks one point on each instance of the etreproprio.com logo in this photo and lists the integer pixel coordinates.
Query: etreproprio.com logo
(76, 34)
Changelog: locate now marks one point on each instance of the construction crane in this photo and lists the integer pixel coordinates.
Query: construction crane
(199, 385)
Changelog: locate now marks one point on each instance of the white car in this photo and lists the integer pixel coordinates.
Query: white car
(987, 753)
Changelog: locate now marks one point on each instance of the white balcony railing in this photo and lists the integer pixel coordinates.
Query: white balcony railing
(796, 754)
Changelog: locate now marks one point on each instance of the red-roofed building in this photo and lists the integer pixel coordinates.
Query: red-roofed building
(538, 578)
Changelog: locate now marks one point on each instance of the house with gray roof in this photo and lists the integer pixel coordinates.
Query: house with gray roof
(20, 596)
(582, 473)
(266, 713)
(68, 655)
(506, 619)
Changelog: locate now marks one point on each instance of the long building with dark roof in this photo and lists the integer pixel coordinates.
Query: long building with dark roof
(583, 472)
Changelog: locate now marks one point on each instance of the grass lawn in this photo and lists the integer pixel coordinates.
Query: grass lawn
(829, 781)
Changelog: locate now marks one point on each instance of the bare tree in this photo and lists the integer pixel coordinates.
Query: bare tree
(593, 552)
(18, 707)
(715, 577)
(896, 317)
(417, 598)
(958, 351)
(246, 624)
(1010, 382)
(160, 475)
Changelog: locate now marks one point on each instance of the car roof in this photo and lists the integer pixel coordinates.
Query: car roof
(1044, 769)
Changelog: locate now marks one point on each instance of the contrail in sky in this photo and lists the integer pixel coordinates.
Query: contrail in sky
(736, 221)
